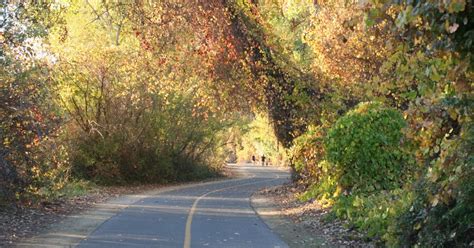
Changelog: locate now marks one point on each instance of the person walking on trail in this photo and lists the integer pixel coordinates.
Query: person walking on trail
(253, 159)
(263, 160)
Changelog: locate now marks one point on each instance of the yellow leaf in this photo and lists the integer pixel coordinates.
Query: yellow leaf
(435, 201)
(453, 114)
(417, 226)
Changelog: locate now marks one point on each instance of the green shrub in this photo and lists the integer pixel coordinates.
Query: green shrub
(306, 154)
(325, 189)
(373, 213)
(365, 147)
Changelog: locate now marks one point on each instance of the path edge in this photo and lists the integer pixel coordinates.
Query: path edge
(293, 234)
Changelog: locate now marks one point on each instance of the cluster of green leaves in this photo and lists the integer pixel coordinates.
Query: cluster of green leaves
(375, 213)
(364, 169)
(365, 147)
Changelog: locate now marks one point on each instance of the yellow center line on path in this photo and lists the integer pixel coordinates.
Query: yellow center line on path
(189, 221)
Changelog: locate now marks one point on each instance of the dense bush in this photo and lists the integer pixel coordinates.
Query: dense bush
(365, 146)
(132, 119)
(306, 154)
(442, 210)
(28, 118)
(374, 213)
(174, 145)
(326, 189)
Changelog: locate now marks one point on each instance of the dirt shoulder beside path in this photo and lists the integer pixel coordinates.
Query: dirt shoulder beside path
(303, 224)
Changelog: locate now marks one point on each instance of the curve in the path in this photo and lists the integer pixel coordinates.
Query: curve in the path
(205, 215)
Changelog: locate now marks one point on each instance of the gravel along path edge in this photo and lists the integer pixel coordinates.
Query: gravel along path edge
(295, 235)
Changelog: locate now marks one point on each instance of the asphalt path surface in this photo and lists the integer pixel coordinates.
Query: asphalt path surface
(213, 214)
